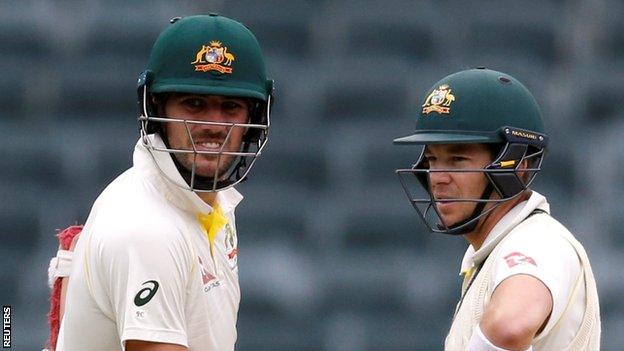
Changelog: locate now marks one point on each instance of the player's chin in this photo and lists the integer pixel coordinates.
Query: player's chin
(449, 217)
(208, 168)
(448, 209)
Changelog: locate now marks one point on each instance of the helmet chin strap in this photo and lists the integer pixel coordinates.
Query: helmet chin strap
(469, 224)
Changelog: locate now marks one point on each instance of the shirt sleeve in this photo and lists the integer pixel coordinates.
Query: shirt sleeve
(146, 271)
(549, 258)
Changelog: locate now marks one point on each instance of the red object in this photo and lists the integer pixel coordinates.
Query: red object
(206, 277)
(233, 254)
(65, 238)
(516, 258)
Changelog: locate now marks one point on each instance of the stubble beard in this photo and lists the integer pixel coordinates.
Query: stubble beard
(206, 165)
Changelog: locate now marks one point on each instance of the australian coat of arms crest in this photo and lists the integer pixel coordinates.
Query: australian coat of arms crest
(439, 100)
(214, 57)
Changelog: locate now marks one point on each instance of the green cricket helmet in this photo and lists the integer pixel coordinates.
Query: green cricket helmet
(207, 55)
(477, 106)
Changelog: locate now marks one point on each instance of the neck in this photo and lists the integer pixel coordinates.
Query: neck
(208, 197)
(486, 224)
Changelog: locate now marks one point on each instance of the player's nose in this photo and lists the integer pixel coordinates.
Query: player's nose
(439, 177)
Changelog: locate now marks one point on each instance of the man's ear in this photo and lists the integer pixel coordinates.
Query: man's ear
(524, 175)
(159, 106)
(252, 107)
(158, 103)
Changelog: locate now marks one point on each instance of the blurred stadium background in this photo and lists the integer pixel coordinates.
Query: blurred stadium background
(332, 255)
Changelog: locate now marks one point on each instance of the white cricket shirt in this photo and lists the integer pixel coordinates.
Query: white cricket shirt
(144, 268)
(535, 245)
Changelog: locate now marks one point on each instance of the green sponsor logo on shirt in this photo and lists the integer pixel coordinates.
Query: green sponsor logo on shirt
(145, 295)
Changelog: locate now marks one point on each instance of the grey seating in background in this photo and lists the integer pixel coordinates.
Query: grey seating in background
(515, 40)
(104, 93)
(367, 291)
(609, 38)
(24, 40)
(383, 231)
(412, 42)
(9, 277)
(558, 175)
(274, 332)
(383, 159)
(614, 43)
(603, 101)
(43, 167)
(109, 165)
(291, 38)
(285, 166)
(290, 336)
(276, 10)
(285, 31)
(348, 101)
(20, 231)
(123, 40)
(13, 90)
(286, 226)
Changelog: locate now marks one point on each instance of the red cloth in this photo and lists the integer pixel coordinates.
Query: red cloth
(65, 238)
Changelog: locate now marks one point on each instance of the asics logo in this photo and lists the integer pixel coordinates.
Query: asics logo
(146, 294)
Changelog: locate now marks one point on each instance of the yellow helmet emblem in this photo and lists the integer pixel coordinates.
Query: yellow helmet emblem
(214, 57)
(439, 100)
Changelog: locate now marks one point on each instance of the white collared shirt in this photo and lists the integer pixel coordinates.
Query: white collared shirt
(143, 268)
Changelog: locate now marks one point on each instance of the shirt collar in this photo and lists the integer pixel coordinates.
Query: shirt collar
(509, 221)
(162, 171)
(228, 199)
